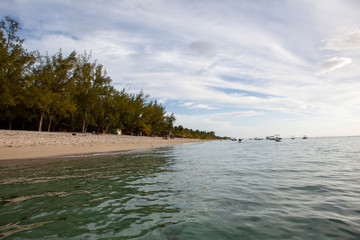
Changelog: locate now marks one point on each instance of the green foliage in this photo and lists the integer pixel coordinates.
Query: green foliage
(73, 93)
(15, 63)
(52, 82)
(91, 85)
(114, 131)
(180, 131)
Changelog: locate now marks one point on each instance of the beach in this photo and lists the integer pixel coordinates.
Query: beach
(31, 144)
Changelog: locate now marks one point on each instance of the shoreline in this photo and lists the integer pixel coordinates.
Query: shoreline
(25, 145)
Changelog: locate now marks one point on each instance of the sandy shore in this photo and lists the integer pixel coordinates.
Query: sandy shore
(31, 144)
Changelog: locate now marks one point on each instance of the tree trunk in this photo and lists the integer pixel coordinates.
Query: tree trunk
(41, 120)
(51, 116)
(83, 125)
(10, 121)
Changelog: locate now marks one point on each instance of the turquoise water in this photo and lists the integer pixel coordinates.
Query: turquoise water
(295, 189)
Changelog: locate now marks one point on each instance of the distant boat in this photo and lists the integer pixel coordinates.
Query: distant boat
(292, 137)
(277, 138)
(304, 137)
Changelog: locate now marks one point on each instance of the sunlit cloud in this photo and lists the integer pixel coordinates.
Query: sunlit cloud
(333, 64)
(201, 106)
(191, 105)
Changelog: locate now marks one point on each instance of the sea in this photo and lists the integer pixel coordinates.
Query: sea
(294, 189)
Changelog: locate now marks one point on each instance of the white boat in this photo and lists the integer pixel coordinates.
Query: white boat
(292, 137)
(304, 137)
(277, 138)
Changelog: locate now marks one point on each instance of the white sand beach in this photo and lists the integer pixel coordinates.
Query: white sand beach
(31, 144)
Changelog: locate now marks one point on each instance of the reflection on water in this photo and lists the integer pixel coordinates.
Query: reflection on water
(89, 197)
(295, 189)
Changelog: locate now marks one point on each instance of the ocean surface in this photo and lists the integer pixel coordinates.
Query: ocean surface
(295, 189)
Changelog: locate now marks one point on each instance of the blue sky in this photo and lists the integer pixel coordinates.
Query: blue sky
(239, 68)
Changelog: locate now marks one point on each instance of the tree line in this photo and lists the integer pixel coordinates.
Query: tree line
(72, 93)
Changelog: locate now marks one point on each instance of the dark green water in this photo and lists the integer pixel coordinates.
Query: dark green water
(295, 189)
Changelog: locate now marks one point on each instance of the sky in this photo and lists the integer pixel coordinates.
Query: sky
(241, 68)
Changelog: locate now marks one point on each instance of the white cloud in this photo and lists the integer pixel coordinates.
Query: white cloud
(333, 64)
(350, 40)
(238, 114)
(188, 104)
(201, 106)
(191, 105)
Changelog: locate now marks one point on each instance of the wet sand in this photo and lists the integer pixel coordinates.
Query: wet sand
(31, 144)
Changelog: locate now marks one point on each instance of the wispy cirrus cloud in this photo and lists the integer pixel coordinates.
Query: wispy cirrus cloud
(333, 64)
(239, 114)
(191, 105)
